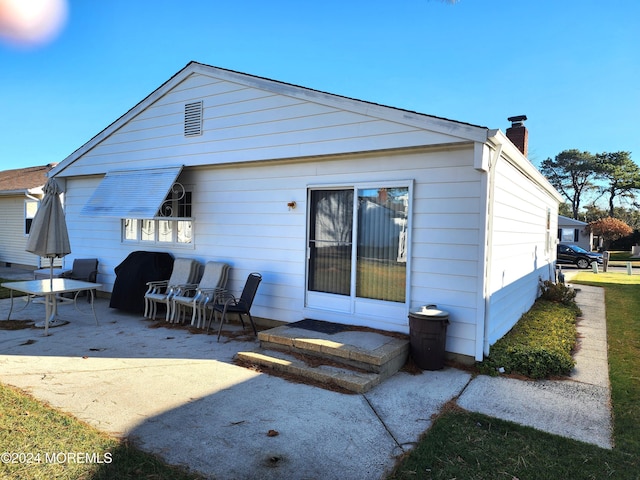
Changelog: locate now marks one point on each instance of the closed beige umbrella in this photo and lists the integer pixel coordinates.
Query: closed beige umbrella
(49, 236)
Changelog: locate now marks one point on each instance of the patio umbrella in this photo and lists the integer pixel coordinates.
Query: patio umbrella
(49, 236)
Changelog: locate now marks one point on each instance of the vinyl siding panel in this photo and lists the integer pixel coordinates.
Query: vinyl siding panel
(13, 241)
(519, 253)
(241, 217)
(242, 124)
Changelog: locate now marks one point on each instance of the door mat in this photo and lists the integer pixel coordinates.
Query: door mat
(319, 326)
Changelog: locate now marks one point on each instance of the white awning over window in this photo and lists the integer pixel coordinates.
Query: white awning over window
(131, 193)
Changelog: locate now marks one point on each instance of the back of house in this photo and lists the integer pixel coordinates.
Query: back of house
(353, 212)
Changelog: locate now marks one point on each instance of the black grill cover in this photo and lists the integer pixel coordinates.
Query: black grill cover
(132, 276)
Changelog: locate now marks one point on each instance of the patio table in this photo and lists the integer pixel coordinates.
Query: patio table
(50, 289)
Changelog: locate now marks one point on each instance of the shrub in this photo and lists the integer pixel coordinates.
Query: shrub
(559, 292)
(539, 345)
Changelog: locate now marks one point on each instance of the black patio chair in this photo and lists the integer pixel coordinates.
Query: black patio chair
(227, 303)
(84, 269)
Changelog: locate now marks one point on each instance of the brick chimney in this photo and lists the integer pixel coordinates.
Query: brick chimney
(518, 134)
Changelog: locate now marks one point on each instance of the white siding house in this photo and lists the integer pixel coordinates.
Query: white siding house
(574, 232)
(353, 212)
(20, 195)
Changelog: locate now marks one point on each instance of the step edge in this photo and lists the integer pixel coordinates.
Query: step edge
(350, 380)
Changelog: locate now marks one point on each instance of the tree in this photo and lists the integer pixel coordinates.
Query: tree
(621, 174)
(592, 212)
(610, 229)
(564, 209)
(572, 173)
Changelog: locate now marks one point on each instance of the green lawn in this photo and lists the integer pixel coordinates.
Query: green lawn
(464, 445)
(622, 258)
(40, 443)
(5, 292)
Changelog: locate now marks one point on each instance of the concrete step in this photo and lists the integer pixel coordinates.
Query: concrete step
(326, 375)
(354, 359)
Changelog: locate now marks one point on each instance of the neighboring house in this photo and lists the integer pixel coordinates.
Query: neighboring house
(20, 195)
(574, 232)
(353, 212)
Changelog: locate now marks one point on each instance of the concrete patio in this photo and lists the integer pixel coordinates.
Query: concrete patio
(179, 394)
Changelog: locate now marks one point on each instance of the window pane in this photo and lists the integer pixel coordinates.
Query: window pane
(381, 258)
(148, 231)
(165, 230)
(184, 231)
(184, 205)
(30, 209)
(130, 229)
(330, 241)
(172, 224)
(569, 235)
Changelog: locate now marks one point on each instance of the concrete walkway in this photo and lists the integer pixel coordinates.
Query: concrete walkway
(179, 394)
(578, 408)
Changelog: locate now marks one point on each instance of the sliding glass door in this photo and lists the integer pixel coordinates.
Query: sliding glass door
(357, 246)
(331, 241)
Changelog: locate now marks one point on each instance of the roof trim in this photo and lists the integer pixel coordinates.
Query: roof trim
(511, 153)
(571, 221)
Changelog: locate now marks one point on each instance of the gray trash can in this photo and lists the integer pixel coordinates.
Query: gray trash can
(428, 336)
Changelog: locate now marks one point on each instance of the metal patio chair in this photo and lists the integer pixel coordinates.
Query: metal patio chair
(84, 269)
(186, 271)
(226, 303)
(196, 297)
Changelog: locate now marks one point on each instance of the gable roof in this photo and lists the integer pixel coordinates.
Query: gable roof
(567, 221)
(24, 180)
(460, 131)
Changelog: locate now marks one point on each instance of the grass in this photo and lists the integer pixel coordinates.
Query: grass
(377, 279)
(5, 292)
(466, 445)
(52, 445)
(620, 259)
(48, 444)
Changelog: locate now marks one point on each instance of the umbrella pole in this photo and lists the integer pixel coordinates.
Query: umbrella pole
(54, 305)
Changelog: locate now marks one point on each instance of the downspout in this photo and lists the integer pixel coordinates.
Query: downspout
(489, 239)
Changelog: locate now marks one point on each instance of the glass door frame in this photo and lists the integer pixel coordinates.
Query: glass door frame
(351, 304)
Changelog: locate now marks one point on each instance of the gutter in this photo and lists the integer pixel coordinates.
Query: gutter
(29, 193)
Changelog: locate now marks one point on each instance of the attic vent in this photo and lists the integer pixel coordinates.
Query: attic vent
(193, 119)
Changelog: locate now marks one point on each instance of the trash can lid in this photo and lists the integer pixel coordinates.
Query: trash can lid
(429, 311)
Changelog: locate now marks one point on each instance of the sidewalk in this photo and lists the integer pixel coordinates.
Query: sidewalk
(179, 394)
(577, 408)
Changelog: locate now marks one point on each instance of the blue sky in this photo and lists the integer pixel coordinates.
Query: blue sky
(573, 67)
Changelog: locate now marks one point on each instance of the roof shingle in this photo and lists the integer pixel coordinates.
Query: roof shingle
(24, 178)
